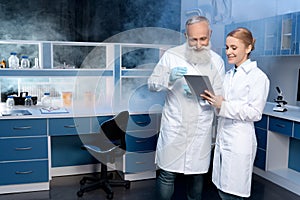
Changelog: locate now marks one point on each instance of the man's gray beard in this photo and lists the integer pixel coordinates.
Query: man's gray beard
(198, 56)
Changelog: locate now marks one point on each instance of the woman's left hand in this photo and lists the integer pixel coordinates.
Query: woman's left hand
(214, 100)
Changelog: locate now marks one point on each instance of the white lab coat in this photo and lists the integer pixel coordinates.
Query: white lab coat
(245, 95)
(184, 143)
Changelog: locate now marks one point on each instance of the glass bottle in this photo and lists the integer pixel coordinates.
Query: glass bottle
(10, 102)
(25, 64)
(28, 101)
(13, 61)
(46, 100)
(36, 63)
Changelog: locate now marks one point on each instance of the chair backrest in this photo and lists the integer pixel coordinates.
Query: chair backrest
(114, 129)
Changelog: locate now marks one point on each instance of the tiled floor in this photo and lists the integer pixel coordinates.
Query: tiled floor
(65, 188)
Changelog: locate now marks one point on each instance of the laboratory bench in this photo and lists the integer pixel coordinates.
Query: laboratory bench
(34, 148)
(278, 139)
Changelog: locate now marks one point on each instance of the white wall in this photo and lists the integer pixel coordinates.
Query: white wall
(283, 73)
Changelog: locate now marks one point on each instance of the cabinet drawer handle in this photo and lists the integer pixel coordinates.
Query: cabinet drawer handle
(140, 141)
(23, 148)
(26, 172)
(140, 163)
(140, 122)
(280, 125)
(71, 126)
(22, 128)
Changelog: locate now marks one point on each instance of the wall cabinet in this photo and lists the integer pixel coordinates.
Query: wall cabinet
(113, 72)
(288, 41)
(275, 36)
(271, 36)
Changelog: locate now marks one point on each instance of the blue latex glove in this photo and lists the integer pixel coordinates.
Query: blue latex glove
(177, 73)
(187, 90)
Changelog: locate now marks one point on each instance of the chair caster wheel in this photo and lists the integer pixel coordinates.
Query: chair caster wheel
(82, 182)
(79, 193)
(110, 176)
(127, 185)
(110, 196)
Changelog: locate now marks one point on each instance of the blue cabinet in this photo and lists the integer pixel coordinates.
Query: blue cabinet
(275, 36)
(141, 138)
(23, 151)
(257, 27)
(66, 151)
(24, 148)
(261, 136)
(262, 123)
(297, 33)
(22, 128)
(297, 130)
(69, 126)
(287, 24)
(271, 35)
(24, 172)
(282, 126)
(67, 136)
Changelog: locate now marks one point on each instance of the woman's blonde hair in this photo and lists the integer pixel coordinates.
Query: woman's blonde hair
(245, 35)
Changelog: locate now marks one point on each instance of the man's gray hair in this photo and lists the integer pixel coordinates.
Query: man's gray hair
(196, 19)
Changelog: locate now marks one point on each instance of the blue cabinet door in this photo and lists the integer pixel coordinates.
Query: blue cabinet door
(66, 150)
(271, 35)
(257, 27)
(297, 39)
(287, 24)
(263, 123)
(297, 130)
(261, 136)
(260, 159)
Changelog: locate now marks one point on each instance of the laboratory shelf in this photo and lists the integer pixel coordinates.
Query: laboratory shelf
(55, 72)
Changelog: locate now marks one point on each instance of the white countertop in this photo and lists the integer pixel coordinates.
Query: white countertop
(73, 111)
(292, 113)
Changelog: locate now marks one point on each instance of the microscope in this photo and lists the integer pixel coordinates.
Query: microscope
(280, 102)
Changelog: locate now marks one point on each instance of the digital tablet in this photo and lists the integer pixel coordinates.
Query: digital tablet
(198, 83)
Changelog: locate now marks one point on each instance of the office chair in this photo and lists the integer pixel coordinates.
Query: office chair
(109, 144)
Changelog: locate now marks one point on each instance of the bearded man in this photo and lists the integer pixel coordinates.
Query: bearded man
(184, 143)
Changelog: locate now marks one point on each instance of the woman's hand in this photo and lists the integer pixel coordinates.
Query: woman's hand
(214, 100)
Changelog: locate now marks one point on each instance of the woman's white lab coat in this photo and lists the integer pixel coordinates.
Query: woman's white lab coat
(184, 143)
(245, 95)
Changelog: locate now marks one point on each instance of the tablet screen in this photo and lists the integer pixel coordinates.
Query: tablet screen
(198, 84)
